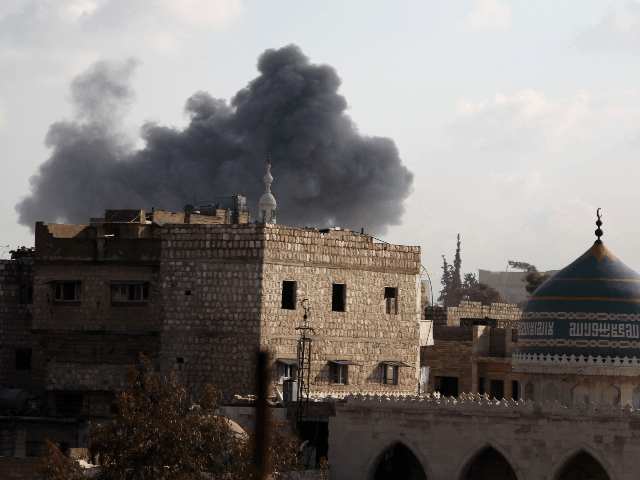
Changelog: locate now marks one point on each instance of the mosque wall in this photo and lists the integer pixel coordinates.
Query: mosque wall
(447, 436)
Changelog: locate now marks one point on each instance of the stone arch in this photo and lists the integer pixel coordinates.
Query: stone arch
(580, 393)
(475, 453)
(575, 452)
(529, 391)
(370, 471)
(635, 397)
(610, 394)
(552, 392)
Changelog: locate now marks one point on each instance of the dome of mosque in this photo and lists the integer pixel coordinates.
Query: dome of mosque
(591, 308)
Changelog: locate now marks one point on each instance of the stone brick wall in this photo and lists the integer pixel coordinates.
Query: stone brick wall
(446, 436)
(222, 287)
(16, 281)
(451, 315)
(15, 467)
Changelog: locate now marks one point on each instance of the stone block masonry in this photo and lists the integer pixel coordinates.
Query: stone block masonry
(223, 288)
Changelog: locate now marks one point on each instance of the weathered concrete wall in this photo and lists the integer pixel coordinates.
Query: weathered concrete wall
(445, 436)
(16, 314)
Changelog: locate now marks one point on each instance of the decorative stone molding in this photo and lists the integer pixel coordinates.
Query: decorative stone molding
(475, 402)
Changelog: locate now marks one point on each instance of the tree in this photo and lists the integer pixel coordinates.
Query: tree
(451, 293)
(159, 433)
(455, 290)
(533, 278)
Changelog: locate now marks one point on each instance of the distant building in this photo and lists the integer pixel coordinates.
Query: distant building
(510, 284)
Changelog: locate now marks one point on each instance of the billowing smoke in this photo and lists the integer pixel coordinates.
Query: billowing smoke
(325, 172)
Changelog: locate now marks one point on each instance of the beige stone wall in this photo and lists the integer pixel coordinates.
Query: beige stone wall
(452, 315)
(537, 441)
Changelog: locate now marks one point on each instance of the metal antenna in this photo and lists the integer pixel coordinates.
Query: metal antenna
(304, 367)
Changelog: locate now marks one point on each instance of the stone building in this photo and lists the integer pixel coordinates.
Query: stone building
(510, 285)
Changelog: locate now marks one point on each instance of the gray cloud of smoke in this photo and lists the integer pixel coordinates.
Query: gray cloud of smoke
(325, 172)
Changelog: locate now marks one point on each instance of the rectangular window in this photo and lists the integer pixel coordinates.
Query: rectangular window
(33, 448)
(287, 369)
(389, 374)
(514, 335)
(481, 385)
(69, 403)
(339, 298)
(23, 359)
(26, 294)
(130, 295)
(66, 294)
(515, 390)
(288, 295)
(391, 300)
(338, 373)
(497, 389)
(446, 386)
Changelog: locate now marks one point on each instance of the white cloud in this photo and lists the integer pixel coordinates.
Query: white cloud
(617, 30)
(529, 119)
(207, 13)
(486, 15)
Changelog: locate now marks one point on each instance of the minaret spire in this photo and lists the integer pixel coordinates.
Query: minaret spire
(267, 201)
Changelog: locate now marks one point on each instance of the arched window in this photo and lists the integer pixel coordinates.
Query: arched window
(583, 467)
(398, 462)
(552, 393)
(580, 393)
(489, 465)
(635, 398)
(529, 392)
(610, 395)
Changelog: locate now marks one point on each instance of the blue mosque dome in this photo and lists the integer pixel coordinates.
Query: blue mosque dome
(590, 308)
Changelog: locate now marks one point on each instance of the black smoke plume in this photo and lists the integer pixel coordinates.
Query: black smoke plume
(325, 172)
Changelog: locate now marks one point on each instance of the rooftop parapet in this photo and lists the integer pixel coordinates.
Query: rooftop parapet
(483, 405)
(538, 363)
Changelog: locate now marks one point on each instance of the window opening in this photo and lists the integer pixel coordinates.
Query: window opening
(490, 464)
(338, 371)
(23, 359)
(179, 360)
(66, 294)
(389, 374)
(339, 298)
(481, 385)
(26, 294)
(289, 295)
(130, 295)
(515, 390)
(69, 403)
(287, 369)
(497, 389)
(446, 386)
(391, 300)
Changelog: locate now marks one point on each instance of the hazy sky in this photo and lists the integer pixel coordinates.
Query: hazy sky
(517, 119)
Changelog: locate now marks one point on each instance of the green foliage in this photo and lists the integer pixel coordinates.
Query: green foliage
(455, 290)
(158, 433)
(533, 278)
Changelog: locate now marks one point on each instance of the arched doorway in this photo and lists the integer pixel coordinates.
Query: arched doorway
(397, 463)
(489, 464)
(583, 467)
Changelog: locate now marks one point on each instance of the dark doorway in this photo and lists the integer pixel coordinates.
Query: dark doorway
(446, 386)
(490, 465)
(317, 433)
(399, 463)
(583, 467)
(497, 389)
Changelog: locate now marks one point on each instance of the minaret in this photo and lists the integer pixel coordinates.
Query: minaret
(267, 202)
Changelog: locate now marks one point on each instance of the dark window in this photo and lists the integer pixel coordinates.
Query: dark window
(481, 385)
(23, 359)
(497, 389)
(515, 390)
(69, 403)
(179, 360)
(33, 448)
(130, 295)
(66, 294)
(391, 300)
(26, 294)
(389, 374)
(514, 335)
(286, 371)
(338, 373)
(289, 295)
(446, 386)
(339, 298)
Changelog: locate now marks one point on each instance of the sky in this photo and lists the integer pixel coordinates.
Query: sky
(517, 119)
